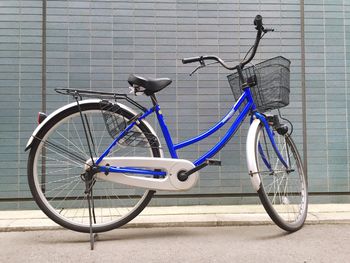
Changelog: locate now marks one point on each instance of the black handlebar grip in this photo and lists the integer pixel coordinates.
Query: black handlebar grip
(258, 22)
(191, 60)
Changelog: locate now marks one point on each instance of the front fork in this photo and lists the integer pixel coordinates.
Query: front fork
(272, 125)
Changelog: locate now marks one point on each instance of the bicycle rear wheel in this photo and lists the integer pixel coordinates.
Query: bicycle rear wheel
(282, 191)
(57, 160)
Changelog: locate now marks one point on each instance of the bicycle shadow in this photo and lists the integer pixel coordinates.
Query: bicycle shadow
(157, 235)
(124, 234)
(145, 233)
(274, 235)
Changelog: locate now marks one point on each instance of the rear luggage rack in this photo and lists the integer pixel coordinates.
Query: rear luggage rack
(79, 94)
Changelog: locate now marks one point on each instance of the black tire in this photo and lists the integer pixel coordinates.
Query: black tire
(54, 173)
(283, 192)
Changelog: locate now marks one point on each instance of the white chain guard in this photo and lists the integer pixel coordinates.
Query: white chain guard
(169, 183)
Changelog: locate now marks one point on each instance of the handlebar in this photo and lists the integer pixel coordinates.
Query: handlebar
(258, 22)
(202, 58)
(192, 59)
(259, 27)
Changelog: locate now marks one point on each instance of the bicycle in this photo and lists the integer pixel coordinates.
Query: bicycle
(95, 164)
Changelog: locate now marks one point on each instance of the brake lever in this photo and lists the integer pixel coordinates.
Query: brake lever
(265, 30)
(202, 65)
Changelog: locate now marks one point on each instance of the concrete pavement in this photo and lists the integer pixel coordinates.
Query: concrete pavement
(184, 216)
(265, 243)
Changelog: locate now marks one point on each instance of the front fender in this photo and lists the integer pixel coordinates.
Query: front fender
(74, 104)
(251, 154)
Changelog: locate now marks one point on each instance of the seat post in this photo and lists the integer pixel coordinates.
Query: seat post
(154, 99)
(164, 127)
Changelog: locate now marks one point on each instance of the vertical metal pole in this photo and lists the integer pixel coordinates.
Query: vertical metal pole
(303, 86)
(43, 87)
(43, 57)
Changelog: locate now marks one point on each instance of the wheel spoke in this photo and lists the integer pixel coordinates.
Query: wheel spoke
(70, 142)
(61, 152)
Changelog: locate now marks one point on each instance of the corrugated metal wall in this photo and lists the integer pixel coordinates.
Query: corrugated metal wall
(97, 44)
(327, 42)
(20, 88)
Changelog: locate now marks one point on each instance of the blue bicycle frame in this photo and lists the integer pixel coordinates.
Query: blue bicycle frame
(249, 106)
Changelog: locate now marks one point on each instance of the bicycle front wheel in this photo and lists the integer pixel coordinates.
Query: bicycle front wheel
(57, 161)
(282, 191)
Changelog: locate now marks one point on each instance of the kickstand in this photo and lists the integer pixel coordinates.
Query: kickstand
(93, 236)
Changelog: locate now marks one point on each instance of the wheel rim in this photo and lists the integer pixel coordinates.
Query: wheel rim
(62, 189)
(284, 189)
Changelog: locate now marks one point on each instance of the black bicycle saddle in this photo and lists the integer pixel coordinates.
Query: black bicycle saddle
(149, 85)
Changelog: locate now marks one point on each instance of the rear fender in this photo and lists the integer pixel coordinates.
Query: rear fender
(74, 104)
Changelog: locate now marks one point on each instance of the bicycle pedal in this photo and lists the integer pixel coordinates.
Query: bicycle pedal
(213, 162)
